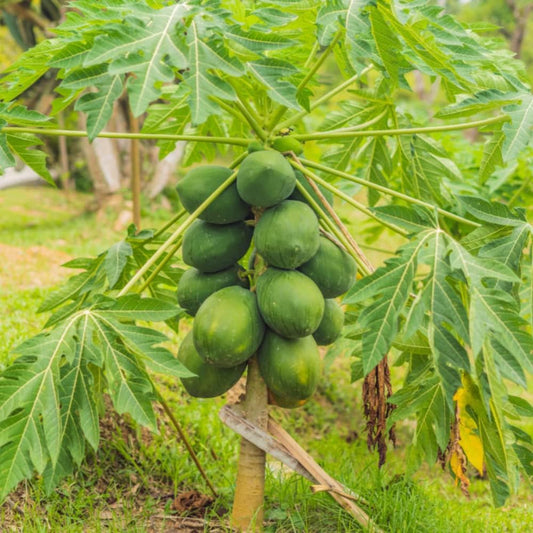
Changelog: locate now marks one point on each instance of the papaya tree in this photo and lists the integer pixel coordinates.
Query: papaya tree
(325, 89)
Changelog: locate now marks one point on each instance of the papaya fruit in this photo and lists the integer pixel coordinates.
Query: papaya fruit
(290, 367)
(331, 268)
(330, 326)
(286, 143)
(228, 328)
(195, 286)
(265, 178)
(287, 234)
(255, 146)
(199, 183)
(290, 303)
(214, 247)
(209, 381)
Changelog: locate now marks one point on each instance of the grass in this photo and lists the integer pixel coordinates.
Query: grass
(135, 482)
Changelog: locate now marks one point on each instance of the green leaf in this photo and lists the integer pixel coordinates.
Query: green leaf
(487, 100)
(22, 145)
(134, 307)
(271, 73)
(413, 219)
(145, 46)
(495, 313)
(99, 106)
(256, 41)
(389, 286)
(492, 156)
(202, 84)
(518, 131)
(492, 212)
(115, 260)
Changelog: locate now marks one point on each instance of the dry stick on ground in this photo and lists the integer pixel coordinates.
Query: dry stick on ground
(248, 504)
(335, 489)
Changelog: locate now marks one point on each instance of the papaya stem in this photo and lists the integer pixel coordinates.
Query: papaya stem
(248, 504)
(160, 266)
(330, 226)
(251, 118)
(329, 135)
(385, 190)
(185, 440)
(238, 141)
(171, 222)
(359, 206)
(177, 233)
(353, 245)
(363, 125)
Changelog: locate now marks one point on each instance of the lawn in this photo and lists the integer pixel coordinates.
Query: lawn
(141, 482)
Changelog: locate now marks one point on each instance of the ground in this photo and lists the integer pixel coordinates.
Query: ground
(140, 482)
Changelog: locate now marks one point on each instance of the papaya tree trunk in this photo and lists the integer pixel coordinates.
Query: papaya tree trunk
(248, 508)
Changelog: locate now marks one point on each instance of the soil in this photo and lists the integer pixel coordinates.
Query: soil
(41, 267)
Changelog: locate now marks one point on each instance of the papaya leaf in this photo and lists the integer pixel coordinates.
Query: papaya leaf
(99, 106)
(492, 212)
(115, 260)
(146, 46)
(389, 286)
(413, 219)
(518, 131)
(272, 74)
(492, 156)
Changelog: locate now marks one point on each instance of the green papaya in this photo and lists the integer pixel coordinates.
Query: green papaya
(255, 146)
(330, 326)
(287, 234)
(331, 268)
(265, 178)
(209, 381)
(290, 302)
(287, 144)
(214, 247)
(199, 183)
(228, 328)
(195, 286)
(290, 368)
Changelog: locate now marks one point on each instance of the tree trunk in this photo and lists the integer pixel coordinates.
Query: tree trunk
(248, 505)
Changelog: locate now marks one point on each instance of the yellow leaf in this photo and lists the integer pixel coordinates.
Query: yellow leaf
(469, 439)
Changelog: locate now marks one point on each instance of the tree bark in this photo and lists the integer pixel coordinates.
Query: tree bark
(248, 504)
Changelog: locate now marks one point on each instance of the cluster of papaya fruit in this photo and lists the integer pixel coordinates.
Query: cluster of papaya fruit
(295, 271)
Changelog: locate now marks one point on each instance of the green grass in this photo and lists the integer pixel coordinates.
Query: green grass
(132, 483)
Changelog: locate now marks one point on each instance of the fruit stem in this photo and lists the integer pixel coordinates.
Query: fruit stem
(248, 504)
(238, 141)
(238, 160)
(179, 231)
(363, 125)
(295, 118)
(329, 135)
(251, 118)
(329, 225)
(171, 222)
(348, 199)
(160, 266)
(385, 190)
(185, 440)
